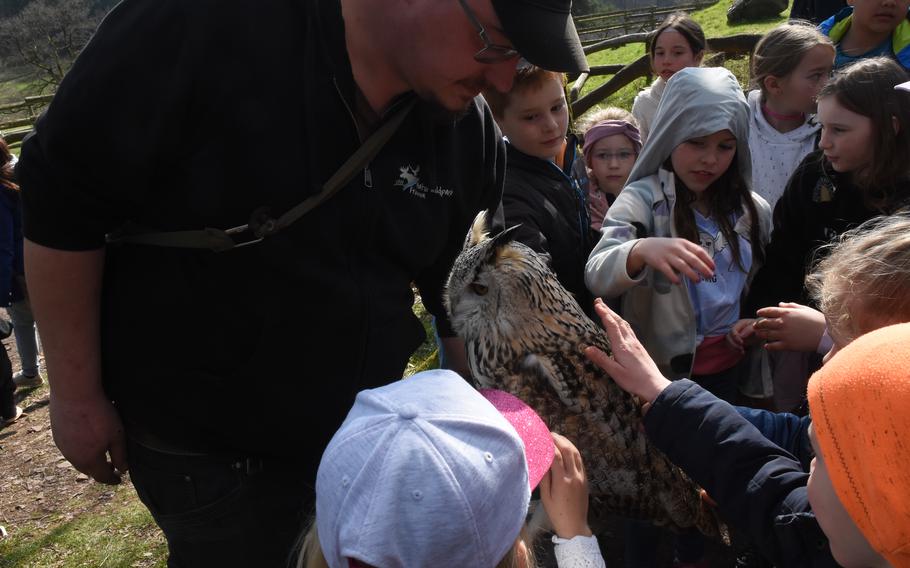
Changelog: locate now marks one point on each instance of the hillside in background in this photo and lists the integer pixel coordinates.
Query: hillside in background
(12, 7)
(713, 21)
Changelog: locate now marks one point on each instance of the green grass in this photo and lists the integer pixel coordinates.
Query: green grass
(713, 21)
(118, 531)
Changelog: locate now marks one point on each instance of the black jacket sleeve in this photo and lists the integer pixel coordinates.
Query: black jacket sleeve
(759, 487)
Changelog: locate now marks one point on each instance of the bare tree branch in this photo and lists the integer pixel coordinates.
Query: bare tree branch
(48, 35)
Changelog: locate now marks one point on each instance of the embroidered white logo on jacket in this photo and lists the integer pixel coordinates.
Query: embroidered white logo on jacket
(409, 180)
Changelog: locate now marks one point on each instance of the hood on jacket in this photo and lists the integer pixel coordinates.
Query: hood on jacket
(698, 101)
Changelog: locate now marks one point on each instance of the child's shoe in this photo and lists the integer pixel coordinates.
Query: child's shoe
(7, 420)
(27, 381)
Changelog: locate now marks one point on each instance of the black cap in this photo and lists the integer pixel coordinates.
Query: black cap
(543, 32)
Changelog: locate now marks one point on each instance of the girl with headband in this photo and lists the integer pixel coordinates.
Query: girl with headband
(611, 147)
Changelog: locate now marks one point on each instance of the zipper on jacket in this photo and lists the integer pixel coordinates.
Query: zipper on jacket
(367, 174)
(363, 289)
(580, 200)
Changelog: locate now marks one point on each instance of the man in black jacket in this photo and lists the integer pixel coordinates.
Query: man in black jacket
(217, 378)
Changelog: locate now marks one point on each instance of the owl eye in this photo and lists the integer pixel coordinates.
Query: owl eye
(478, 289)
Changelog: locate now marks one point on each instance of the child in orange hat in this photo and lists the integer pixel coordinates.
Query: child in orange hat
(859, 485)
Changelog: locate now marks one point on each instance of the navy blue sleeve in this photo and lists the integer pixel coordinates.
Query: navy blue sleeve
(789, 431)
(8, 214)
(759, 487)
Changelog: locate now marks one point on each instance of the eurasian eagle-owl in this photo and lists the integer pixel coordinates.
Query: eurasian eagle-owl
(524, 333)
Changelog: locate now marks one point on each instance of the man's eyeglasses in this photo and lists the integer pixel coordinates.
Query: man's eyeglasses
(491, 52)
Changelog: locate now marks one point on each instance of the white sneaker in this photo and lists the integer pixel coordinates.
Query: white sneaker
(26, 381)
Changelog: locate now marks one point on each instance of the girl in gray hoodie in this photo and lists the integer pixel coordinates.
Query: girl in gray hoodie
(685, 236)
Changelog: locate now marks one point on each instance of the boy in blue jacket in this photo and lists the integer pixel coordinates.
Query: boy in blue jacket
(869, 28)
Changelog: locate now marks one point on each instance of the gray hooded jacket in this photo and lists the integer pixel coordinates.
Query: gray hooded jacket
(697, 102)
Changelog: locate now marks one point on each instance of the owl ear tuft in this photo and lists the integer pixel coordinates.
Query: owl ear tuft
(498, 249)
(505, 237)
(478, 232)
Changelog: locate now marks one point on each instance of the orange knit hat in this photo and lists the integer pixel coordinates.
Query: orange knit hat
(860, 404)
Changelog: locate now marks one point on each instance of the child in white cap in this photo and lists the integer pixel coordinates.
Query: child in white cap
(428, 471)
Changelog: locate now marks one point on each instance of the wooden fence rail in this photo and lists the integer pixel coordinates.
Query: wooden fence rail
(15, 129)
(735, 46)
(597, 27)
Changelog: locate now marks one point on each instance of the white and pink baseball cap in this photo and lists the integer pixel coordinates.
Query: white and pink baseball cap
(429, 471)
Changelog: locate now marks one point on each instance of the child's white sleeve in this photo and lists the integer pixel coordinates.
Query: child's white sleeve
(578, 552)
(605, 272)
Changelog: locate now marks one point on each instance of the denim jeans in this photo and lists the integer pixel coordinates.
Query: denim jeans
(26, 336)
(216, 511)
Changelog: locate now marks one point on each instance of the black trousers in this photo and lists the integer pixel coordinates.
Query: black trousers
(7, 386)
(217, 511)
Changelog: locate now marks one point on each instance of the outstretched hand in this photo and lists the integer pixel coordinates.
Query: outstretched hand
(672, 257)
(564, 491)
(630, 366)
(790, 327)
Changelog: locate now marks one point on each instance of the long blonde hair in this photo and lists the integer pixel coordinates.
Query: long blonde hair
(311, 555)
(866, 271)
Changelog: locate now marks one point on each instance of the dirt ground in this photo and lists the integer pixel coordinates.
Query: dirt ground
(36, 481)
(39, 490)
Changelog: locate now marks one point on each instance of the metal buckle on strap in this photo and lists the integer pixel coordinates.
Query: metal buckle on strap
(251, 466)
(240, 230)
(261, 225)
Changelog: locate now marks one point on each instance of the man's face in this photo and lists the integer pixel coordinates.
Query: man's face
(437, 58)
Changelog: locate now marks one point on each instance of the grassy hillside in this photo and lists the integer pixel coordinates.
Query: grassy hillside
(713, 21)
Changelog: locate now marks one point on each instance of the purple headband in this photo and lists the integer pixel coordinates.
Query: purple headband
(606, 128)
